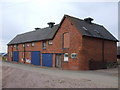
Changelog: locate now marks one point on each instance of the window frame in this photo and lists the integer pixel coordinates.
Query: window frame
(32, 44)
(43, 44)
(74, 54)
(16, 47)
(63, 40)
(50, 42)
(23, 45)
(27, 44)
(66, 57)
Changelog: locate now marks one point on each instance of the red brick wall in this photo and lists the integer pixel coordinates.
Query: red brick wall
(37, 46)
(20, 47)
(21, 57)
(110, 51)
(53, 61)
(86, 48)
(93, 49)
(75, 44)
(27, 57)
(10, 49)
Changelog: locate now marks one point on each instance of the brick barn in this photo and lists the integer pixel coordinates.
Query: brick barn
(73, 44)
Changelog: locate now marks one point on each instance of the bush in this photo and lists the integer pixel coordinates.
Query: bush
(4, 58)
(112, 64)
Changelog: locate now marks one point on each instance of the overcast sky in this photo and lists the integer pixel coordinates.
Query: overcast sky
(19, 16)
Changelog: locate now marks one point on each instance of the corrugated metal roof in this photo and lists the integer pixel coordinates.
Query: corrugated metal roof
(87, 29)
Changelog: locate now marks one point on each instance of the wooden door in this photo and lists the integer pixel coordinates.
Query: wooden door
(58, 61)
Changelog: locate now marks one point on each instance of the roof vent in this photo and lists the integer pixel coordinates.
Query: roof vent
(88, 20)
(37, 28)
(51, 24)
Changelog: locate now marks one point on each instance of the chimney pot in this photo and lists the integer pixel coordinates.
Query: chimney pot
(88, 20)
(51, 24)
(37, 28)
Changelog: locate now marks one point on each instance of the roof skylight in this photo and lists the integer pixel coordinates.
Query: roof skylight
(84, 28)
(96, 31)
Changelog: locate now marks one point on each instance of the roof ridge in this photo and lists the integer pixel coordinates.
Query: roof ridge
(35, 30)
(48, 26)
(73, 17)
(82, 20)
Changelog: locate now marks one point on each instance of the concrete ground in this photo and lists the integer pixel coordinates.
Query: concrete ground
(0, 74)
(16, 75)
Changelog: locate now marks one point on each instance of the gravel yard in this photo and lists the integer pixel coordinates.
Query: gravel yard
(0, 75)
(28, 76)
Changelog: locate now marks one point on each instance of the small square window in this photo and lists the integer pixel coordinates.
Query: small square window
(66, 57)
(32, 44)
(14, 45)
(73, 55)
(23, 45)
(50, 42)
(28, 45)
(44, 45)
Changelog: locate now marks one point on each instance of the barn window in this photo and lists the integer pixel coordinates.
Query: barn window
(32, 44)
(66, 40)
(14, 46)
(28, 45)
(66, 57)
(23, 45)
(44, 44)
(73, 55)
(50, 42)
(84, 28)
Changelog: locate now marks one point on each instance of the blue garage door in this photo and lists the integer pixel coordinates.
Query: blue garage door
(15, 56)
(47, 60)
(35, 57)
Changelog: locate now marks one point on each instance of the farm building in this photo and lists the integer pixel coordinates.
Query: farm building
(73, 44)
(118, 54)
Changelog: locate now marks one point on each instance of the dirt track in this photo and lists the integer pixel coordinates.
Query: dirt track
(27, 76)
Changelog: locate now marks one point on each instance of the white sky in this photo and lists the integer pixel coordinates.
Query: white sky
(19, 16)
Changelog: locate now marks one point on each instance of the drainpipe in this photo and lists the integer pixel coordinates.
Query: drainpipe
(24, 53)
(103, 50)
